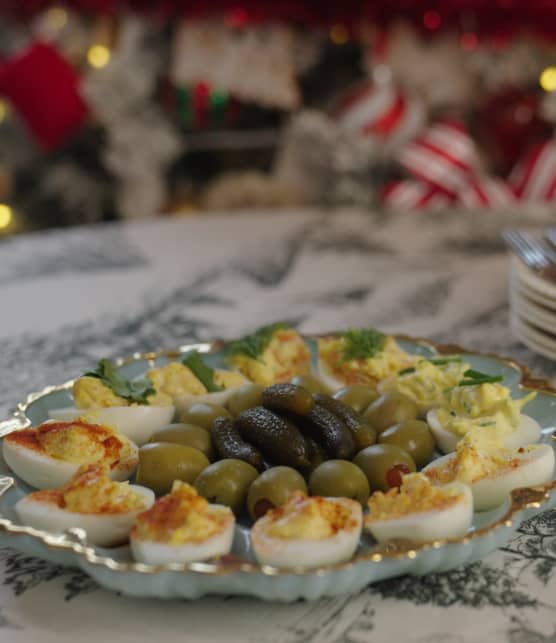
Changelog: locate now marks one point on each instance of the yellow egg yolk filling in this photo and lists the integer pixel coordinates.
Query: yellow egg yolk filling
(416, 495)
(78, 441)
(307, 518)
(386, 363)
(478, 455)
(285, 356)
(91, 491)
(180, 517)
(426, 384)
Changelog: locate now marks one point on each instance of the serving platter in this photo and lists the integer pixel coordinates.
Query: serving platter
(239, 573)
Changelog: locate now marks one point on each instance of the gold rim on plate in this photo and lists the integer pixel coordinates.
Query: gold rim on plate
(74, 540)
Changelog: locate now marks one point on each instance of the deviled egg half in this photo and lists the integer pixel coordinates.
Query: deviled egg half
(426, 381)
(105, 509)
(491, 470)
(195, 381)
(271, 355)
(182, 527)
(308, 532)
(48, 455)
(360, 356)
(133, 407)
(488, 407)
(420, 511)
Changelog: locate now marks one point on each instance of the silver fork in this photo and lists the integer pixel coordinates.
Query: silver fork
(533, 253)
(550, 236)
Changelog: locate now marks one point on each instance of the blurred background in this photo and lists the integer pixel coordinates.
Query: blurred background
(114, 109)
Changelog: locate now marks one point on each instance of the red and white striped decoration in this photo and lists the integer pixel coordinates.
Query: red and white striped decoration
(486, 192)
(415, 195)
(444, 156)
(534, 178)
(379, 110)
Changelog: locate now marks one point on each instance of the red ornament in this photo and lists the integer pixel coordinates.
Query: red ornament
(43, 87)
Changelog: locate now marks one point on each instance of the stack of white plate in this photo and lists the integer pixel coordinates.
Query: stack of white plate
(533, 309)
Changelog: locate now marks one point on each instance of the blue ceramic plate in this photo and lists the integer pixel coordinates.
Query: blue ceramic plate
(239, 574)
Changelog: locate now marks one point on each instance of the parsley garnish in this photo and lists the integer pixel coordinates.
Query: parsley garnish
(474, 378)
(362, 343)
(254, 345)
(406, 371)
(202, 372)
(134, 391)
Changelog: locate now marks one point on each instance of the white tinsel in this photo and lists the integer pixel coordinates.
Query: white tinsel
(255, 64)
(141, 141)
(324, 163)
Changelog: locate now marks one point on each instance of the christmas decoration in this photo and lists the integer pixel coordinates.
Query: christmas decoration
(534, 179)
(48, 101)
(379, 110)
(210, 52)
(141, 108)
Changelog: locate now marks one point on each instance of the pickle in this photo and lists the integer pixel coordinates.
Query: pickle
(229, 444)
(330, 432)
(362, 433)
(279, 440)
(288, 398)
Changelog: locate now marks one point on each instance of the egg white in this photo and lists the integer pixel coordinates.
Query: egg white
(289, 552)
(153, 552)
(138, 423)
(105, 530)
(325, 376)
(183, 402)
(536, 468)
(528, 432)
(451, 522)
(41, 471)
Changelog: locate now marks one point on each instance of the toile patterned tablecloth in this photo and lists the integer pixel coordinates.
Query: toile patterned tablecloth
(68, 298)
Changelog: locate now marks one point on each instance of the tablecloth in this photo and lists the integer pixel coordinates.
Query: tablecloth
(68, 298)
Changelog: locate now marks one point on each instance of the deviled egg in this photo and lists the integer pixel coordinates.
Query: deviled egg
(426, 382)
(133, 407)
(360, 356)
(105, 509)
(47, 456)
(182, 527)
(488, 406)
(420, 511)
(308, 532)
(271, 355)
(213, 386)
(490, 469)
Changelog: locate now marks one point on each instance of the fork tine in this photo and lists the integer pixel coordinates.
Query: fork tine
(521, 245)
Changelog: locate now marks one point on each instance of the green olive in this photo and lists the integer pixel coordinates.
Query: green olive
(186, 434)
(245, 397)
(309, 383)
(384, 465)
(413, 436)
(389, 409)
(272, 488)
(358, 396)
(160, 463)
(339, 478)
(226, 482)
(203, 414)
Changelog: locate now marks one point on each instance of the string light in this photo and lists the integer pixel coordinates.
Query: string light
(56, 17)
(98, 56)
(432, 20)
(339, 34)
(469, 41)
(6, 216)
(547, 79)
(4, 111)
